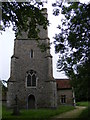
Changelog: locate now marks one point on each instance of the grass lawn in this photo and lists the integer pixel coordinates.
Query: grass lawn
(35, 114)
(83, 103)
(85, 113)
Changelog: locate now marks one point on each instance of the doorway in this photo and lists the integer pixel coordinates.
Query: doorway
(31, 102)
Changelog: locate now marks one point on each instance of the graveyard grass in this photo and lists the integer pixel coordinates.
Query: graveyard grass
(83, 103)
(34, 114)
(85, 113)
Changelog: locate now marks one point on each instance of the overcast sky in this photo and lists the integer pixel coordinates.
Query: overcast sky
(7, 45)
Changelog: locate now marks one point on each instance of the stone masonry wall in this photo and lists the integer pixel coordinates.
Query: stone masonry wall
(69, 96)
(44, 92)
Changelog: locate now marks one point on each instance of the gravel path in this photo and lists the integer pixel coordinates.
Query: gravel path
(72, 114)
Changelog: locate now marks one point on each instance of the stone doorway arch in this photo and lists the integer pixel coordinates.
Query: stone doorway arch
(31, 102)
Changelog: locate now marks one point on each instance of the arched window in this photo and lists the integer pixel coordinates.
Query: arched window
(31, 53)
(31, 78)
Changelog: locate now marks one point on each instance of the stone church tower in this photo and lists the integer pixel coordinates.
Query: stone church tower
(31, 78)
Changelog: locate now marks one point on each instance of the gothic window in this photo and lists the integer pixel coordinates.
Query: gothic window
(31, 53)
(31, 78)
(63, 98)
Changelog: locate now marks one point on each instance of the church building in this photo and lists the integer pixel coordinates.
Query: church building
(31, 79)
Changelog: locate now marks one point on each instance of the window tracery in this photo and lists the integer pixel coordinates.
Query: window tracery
(31, 78)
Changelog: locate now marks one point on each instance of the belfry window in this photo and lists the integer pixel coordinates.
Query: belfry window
(31, 78)
(31, 53)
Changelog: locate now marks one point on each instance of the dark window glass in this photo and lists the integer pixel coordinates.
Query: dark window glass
(29, 80)
(31, 53)
(31, 72)
(33, 80)
(63, 98)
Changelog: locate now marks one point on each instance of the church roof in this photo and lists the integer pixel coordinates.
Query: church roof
(63, 84)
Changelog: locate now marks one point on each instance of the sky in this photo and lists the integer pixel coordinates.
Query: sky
(7, 46)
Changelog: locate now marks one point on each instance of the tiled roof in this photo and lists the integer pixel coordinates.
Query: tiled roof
(63, 84)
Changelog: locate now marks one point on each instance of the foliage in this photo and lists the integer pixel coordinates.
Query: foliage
(24, 16)
(73, 44)
(84, 103)
(38, 114)
(3, 89)
(84, 113)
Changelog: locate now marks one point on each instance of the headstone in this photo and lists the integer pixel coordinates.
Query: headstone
(16, 108)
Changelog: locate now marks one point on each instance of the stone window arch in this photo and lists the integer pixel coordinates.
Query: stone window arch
(31, 79)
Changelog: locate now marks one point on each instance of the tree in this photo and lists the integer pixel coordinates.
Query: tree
(23, 16)
(72, 42)
(73, 45)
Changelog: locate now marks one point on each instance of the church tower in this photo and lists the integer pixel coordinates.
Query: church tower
(31, 78)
